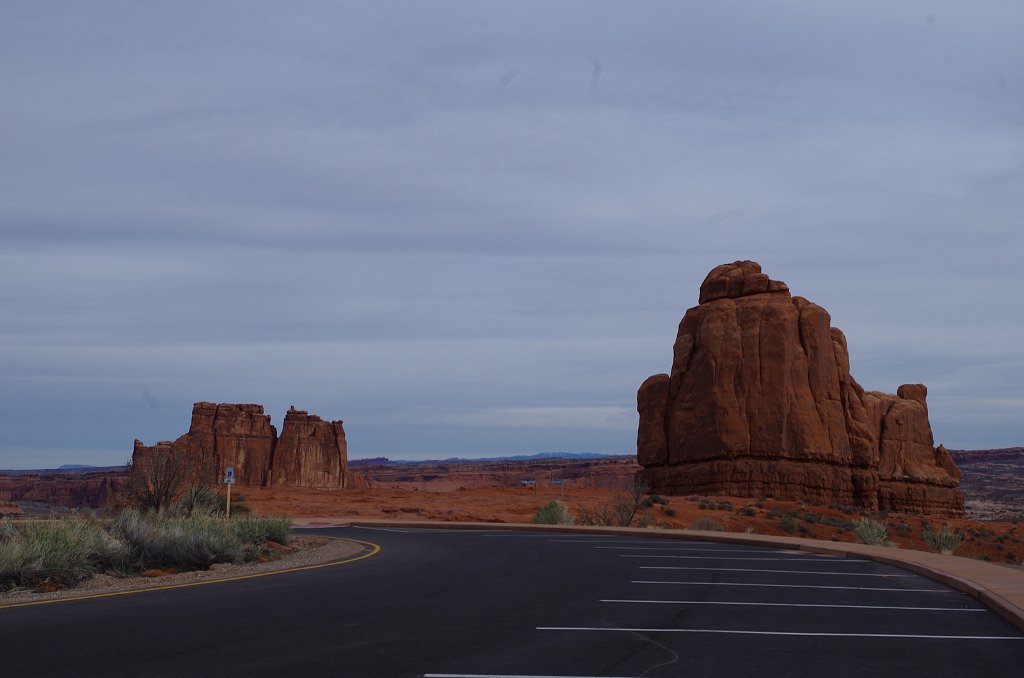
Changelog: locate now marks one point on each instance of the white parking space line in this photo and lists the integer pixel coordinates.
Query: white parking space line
(701, 550)
(502, 675)
(788, 559)
(587, 539)
(813, 634)
(419, 530)
(791, 557)
(748, 569)
(850, 607)
(787, 586)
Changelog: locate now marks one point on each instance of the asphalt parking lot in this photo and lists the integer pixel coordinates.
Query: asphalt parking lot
(455, 603)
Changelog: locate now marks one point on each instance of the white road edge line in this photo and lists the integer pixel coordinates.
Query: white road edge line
(850, 607)
(814, 634)
(789, 586)
(749, 569)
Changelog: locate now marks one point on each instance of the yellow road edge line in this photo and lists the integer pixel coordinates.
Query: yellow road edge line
(374, 550)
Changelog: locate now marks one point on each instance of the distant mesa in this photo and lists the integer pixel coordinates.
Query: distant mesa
(760, 402)
(310, 451)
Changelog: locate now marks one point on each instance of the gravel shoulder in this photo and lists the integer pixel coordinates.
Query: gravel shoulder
(309, 550)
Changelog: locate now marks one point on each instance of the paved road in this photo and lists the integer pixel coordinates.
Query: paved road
(489, 603)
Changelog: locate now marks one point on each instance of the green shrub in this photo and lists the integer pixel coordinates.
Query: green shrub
(870, 532)
(943, 541)
(748, 511)
(788, 524)
(670, 512)
(707, 525)
(60, 552)
(201, 499)
(553, 513)
(186, 542)
(658, 499)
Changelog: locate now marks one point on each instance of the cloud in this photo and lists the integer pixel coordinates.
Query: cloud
(584, 417)
(398, 214)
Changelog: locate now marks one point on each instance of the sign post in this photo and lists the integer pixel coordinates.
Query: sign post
(229, 480)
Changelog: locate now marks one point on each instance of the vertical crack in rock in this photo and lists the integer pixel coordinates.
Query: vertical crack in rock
(790, 421)
(310, 452)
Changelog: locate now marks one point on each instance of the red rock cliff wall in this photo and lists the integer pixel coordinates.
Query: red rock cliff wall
(310, 453)
(760, 402)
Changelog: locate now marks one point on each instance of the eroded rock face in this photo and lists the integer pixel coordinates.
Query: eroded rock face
(237, 435)
(310, 452)
(760, 402)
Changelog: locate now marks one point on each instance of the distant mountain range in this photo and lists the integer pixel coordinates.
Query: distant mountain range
(385, 461)
(69, 469)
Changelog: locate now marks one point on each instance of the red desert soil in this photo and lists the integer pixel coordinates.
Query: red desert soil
(491, 492)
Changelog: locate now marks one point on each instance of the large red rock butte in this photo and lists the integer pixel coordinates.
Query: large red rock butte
(310, 452)
(760, 402)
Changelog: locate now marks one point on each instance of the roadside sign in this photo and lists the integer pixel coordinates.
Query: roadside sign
(229, 480)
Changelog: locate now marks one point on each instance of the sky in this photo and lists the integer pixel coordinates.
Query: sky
(471, 228)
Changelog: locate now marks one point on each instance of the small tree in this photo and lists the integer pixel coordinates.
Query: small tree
(157, 476)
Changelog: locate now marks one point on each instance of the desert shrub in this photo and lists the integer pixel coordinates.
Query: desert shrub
(811, 517)
(647, 503)
(553, 513)
(724, 506)
(59, 552)
(870, 532)
(658, 499)
(186, 542)
(670, 512)
(788, 524)
(707, 525)
(748, 511)
(943, 541)
(201, 499)
(693, 497)
(623, 510)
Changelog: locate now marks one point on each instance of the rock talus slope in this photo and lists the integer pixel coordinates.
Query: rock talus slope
(760, 402)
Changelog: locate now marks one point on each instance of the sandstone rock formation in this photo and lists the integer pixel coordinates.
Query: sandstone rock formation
(760, 402)
(311, 452)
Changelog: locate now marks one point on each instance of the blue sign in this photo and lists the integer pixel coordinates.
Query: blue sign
(229, 476)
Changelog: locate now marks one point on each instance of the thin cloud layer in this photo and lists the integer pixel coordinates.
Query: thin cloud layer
(424, 218)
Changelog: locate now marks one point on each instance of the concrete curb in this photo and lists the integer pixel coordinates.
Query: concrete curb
(999, 588)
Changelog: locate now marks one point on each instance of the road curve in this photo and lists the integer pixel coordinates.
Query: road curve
(445, 603)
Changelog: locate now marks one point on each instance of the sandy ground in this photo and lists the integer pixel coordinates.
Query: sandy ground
(1000, 542)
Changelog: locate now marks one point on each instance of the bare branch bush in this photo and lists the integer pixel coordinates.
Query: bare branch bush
(158, 477)
(627, 508)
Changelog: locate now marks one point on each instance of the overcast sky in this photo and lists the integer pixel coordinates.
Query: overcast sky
(471, 228)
